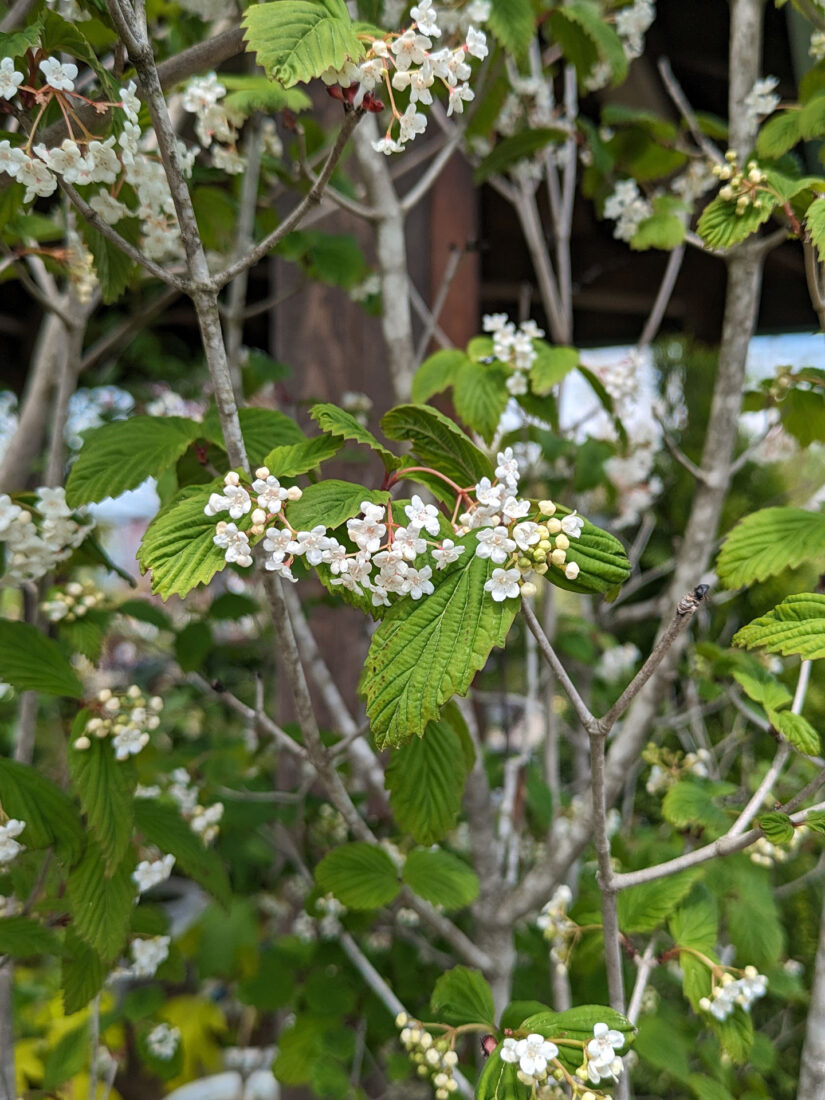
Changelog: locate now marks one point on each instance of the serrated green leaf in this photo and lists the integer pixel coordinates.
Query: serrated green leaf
(332, 502)
(50, 816)
(795, 626)
(811, 119)
(428, 650)
(644, 907)
(585, 38)
(102, 904)
(81, 973)
(735, 1035)
(815, 224)
(766, 691)
(84, 635)
(720, 226)
(16, 43)
(816, 821)
(796, 730)
(696, 923)
(462, 996)
(768, 541)
(577, 1023)
(511, 150)
(426, 780)
(360, 875)
(440, 878)
(114, 269)
(30, 661)
(779, 134)
(437, 373)
(601, 558)
(777, 827)
(247, 93)
(22, 937)
(499, 1081)
(513, 24)
(162, 825)
(178, 544)
(480, 396)
(706, 1088)
(335, 421)
(121, 455)
(688, 804)
(438, 442)
(302, 457)
(105, 788)
(803, 415)
(661, 230)
(551, 365)
(296, 40)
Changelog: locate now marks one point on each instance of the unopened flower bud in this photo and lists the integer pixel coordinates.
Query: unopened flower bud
(558, 557)
(539, 556)
(541, 568)
(104, 695)
(82, 743)
(294, 493)
(528, 588)
(262, 472)
(562, 542)
(553, 526)
(571, 570)
(547, 507)
(232, 478)
(259, 517)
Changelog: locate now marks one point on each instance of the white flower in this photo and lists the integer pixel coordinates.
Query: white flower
(458, 96)
(407, 542)
(37, 177)
(419, 583)
(526, 534)
(477, 43)
(411, 124)
(517, 384)
(423, 515)
(129, 741)
(409, 49)
(632, 23)
(276, 544)
(508, 1052)
(494, 543)
(761, 100)
(150, 872)
(446, 553)
(148, 954)
(129, 101)
(507, 469)
(201, 93)
(368, 532)
(387, 146)
(312, 543)
(514, 508)
(503, 584)
(11, 158)
(601, 1053)
(425, 18)
(108, 208)
(9, 847)
(234, 542)
(492, 322)
(60, 77)
(534, 1053)
(572, 525)
(163, 1041)
(11, 79)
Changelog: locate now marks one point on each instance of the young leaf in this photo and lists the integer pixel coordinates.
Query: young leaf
(30, 661)
(480, 396)
(300, 457)
(114, 269)
(462, 996)
(105, 788)
(22, 937)
(777, 827)
(428, 650)
(688, 804)
(335, 421)
(661, 230)
(643, 908)
(797, 730)
(768, 541)
(551, 365)
(438, 442)
(437, 373)
(720, 226)
(513, 149)
(121, 455)
(440, 878)
(162, 825)
(815, 224)
(178, 546)
(332, 503)
(513, 24)
(102, 905)
(585, 38)
(779, 134)
(578, 1023)
(297, 40)
(360, 875)
(81, 973)
(795, 626)
(768, 692)
(50, 816)
(426, 780)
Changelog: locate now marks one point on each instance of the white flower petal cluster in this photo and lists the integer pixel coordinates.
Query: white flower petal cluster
(151, 872)
(58, 75)
(632, 23)
(128, 718)
(72, 602)
(213, 122)
(10, 78)
(557, 927)
(9, 847)
(731, 992)
(148, 954)
(532, 1055)
(513, 346)
(601, 1053)
(36, 539)
(163, 1041)
(617, 661)
(762, 99)
(628, 208)
(433, 1057)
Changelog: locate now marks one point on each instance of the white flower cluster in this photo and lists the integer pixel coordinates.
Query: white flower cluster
(533, 1056)
(632, 23)
(72, 602)
(9, 847)
(628, 208)
(163, 1041)
(761, 100)
(151, 872)
(433, 1057)
(557, 927)
(694, 182)
(37, 538)
(203, 820)
(765, 854)
(414, 65)
(213, 122)
(128, 718)
(270, 498)
(746, 187)
(329, 925)
(147, 955)
(731, 992)
(514, 346)
(617, 661)
(817, 48)
(601, 1057)
(621, 377)
(633, 478)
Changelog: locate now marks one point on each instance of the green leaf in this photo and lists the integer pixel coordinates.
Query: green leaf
(797, 730)
(688, 804)
(480, 396)
(513, 24)
(766, 691)
(114, 269)
(816, 821)
(643, 908)
(438, 442)
(121, 455)
(102, 905)
(752, 916)
(768, 541)
(517, 1011)
(16, 43)
(162, 825)
(661, 230)
(146, 612)
(30, 661)
(499, 1081)
(335, 421)
(177, 546)
(296, 40)
(720, 226)
(50, 816)
(437, 373)
(440, 878)
(815, 224)
(428, 650)
(67, 1057)
(193, 645)
(779, 134)
(426, 780)
(811, 119)
(663, 1047)
(301, 457)
(332, 503)
(777, 827)
(360, 875)
(585, 38)
(462, 996)
(551, 365)
(795, 626)
(803, 415)
(706, 1088)
(248, 93)
(577, 1023)
(22, 937)
(105, 788)
(263, 429)
(601, 558)
(511, 150)
(81, 973)
(695, 923)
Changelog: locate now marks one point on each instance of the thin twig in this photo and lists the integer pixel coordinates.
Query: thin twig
(663, 296)
(450, 269)
(587, 719)
(679, 98)
(645, 964)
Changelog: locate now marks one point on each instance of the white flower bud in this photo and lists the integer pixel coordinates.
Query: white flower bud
(82, 743)
(562, 542)
(258, 518)
(547, 507)
(232, 478)
(294, 493)
(528, 588)
(553, 526)
(571, 570)
(262, 472)
(104, 695)
(402, 1019)
(558, 557)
